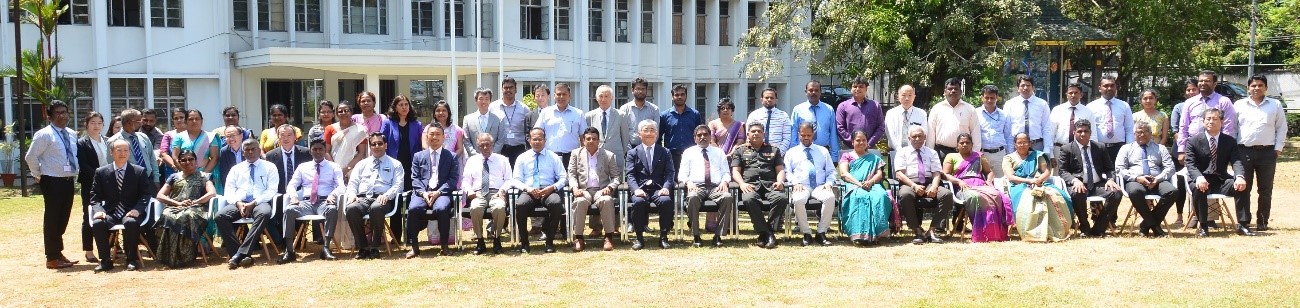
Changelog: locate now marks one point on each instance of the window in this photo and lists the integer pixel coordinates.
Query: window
(124, 13)
(126, 93)
(422, 17)
(165, 13)
(753, 14)
(240, 14)
(563, 19)
(751, 98)
(486, 22)
(701, 23)
(724, 24)
(270, 15)
(620, 21)
(306, 15)
(365, 16)
(78, 12)
(677, 22)
(426, 93)
(647, 21)
(700, 100)
(596, 21)
(83, 89)
(533, 20)
(168, 94)
(460, 18)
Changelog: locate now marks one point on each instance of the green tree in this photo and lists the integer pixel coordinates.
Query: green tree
(1278, 35)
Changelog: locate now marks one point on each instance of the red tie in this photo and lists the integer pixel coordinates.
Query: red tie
(708, 175)
(315, 184)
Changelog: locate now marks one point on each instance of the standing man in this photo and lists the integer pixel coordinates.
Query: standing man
(120, 196)
(917, 171)
(52, 159)
(611, 122)
(813, 174)
(678, 123)
(249, 192)
(759, 171)
(1114, 118)
(704, 172)
(1087, 168)
(539, 174)
(951, 118)
(563, 123)
(512, 115)
(650, 173)
(1174, 123)
(821, 115)
(638, 110)
(314, 189)
(1263, 127)
(1191, 123)
(375, 181)
(141, 149)
(1065, 115)
(287, 157)
(1208, 156)
(595, 180)
(483, 121)
(1029, 115)
(901, 118)
(995, 129)
(1146, 168)
(542, 97)
(776, 123)
(860, 113)
(148, 126)
(435, 175)
(484, 180)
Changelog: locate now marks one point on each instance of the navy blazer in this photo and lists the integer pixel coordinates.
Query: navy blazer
(422, 170)
(393, 137)
(660, 174)
(276, 157)
(134, 195)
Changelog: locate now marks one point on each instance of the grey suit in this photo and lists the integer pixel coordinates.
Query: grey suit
(616, 139)
(493, 127)
(607, 177)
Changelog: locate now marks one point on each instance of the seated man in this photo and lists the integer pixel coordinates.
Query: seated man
(120, 195)
(917, 170)
(812, 173)
(434, 175)
(319, 183)
(1207, 160)
(250, 187)
(1146, 168)
(485, 175)
(1084, 166)
(759, 172)
(650, 173)
(705, 173)
(594, 175)
(539, 174)
(376, 180)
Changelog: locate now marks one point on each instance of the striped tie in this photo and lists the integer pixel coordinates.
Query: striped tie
(117, 211)
(1214, 155)
(136, 154)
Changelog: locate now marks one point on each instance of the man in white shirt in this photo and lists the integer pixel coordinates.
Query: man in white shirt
(250, 187)
(1030, 114)
(375, 181)
(1065, 115)
(483, 181)
(917, 170)
(776, 123)
(812, 173)
(52, 160)
(901, 118)
(539, 175)
(638, 110)
(951, 118)
(705, 173)
(1262, 128)
(1114, 118)
(314, 189)
(563, 124)
(512, 114)
(595, 179)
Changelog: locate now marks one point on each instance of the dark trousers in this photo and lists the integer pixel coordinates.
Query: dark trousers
(1260, 166)
(513, 151)
(526, 206)
(1218, 185)
(908, 204)
(329, 210)
(564, 159)
(944, 150)
(1180, 198)
(355, 214)
(1112, 149)
(58, 194)
(677, 156)
(639, 217)
(130, 236)
(419, 214)
(226, 218)
(1151, 217)
(1109, 207)
(87, 236)
(765, 199)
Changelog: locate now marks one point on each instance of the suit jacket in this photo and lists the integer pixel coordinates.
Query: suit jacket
(392, 135)
(276, 157)
(494, 127)
(225, 159)
(87, 162)
(136, 190)
(1198, 157)
(1070, 161)
(653, 176)
(615, 140)
(607, 172)
(422, 172)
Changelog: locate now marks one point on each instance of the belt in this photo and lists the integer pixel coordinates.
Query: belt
(1260, 147)
(1059, 144)
(1118, 144)
(321, 197)
(372, 196)
(1039, 140)
(43, 177)
(994, 150)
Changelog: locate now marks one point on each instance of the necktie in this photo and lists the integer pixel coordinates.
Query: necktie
(1027, 119)
(537, 169)
(649, 158)
(1214, 155)
(812, 167)
(434, 157)
(483, 186)
(1071, 128)
(920, 167)
(1146, 168)
(907, 117)
(288, 167)
(708, 168)
(604, 122)
(768, 138)
(136, 154)
(117, 211)
(1087, 165)
(482, 123)
(1110, 120)
(252, 176)
(315, 184)
(67, 149)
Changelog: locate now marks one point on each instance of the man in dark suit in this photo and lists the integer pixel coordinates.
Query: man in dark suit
(288, 155)
(650, 178)
(120, 195)
(434, 175)
(1207, 160)
(230, 154)
(1087, 171)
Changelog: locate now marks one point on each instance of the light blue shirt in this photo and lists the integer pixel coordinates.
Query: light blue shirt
(824, 118)
(538, 171)
(995, 129)
(563, 128)
(51, 154)
(799, 165)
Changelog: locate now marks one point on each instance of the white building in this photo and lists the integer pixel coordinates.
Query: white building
(252, 53)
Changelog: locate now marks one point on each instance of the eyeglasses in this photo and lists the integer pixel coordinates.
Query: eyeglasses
(186, 160)
(702, 135)
(375, 144)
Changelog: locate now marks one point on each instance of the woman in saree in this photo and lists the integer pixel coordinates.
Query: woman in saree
(866, 209)
(1042, 209)
(988, 208)
(727, 134)
(184, 219)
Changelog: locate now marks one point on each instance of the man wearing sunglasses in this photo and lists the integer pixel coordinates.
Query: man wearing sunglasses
(374, 181)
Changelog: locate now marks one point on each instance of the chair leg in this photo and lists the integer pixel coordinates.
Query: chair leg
(388, 245)
(1124, 225)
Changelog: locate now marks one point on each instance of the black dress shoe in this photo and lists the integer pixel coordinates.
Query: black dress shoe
(236, 260)
(326, 255)
(697, 242)
(1160, 233)
(1203, 232)
(933, 238)
(523, 249)
(807, 239)
(132, 266)
(1243, 230)
(821, 239)
(663, 243)
(363, 254)
(415, 252)
(637, 245)
(549, 247)
(480, 248)
(919, 239)
(771, 242)
(496, 245)
(1261, 227)
(717, 241)
(288, 257)
(1146, 232)
(104, 267)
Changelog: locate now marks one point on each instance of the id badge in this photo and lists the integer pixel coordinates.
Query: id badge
(67, 168)
(510, 135)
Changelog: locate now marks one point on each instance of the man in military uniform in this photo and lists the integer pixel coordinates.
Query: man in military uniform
(759, 170)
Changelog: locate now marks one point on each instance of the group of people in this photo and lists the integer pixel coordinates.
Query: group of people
(998, 163)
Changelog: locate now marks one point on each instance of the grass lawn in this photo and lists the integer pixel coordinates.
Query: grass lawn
(1118, 271)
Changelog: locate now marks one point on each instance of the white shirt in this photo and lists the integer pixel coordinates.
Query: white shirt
(948, 121)
(778, 135)
(1061, 120)
(1035, 117)
(907, 162)
(1117, 111)
(798, 165)
(259, 183)
(372, 175)
(1262, 124)
(899, 119)
(330, 183)
(692, 167)
(499, 172)
(53, 154)
(593, 179)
